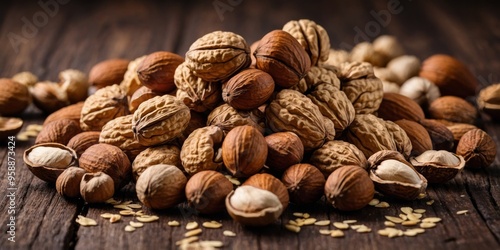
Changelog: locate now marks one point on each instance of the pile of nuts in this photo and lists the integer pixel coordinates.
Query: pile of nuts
(290, 118)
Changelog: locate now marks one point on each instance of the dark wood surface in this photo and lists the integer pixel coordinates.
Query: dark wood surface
(79, 35)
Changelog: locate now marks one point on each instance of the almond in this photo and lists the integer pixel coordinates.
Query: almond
(396, 107)
(108, 72)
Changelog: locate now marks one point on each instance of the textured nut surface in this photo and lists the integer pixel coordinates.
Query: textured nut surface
(68, 183)
(282, 56)
(305, 183)
(227, 117)
(199, 95)
(25, 78)
(218, 55)
(318, 75)
(396, 107)
(459, 129)
(97, 187)
(72, 112)
(293, 111)
(200, 150)
(284, 149)
(337, 57)
(14, 97)
(349, 188)
(270, 183)
(157, 70)
(401, 139)
(335, 154)
(370, 134)
(313, 38)
(131, 80)
(450, 75)
(118, 132)
(103, 106)
(360, 85)
(206, 191)
(161, 186)
(163, 154)
(452, 108)
(248, 89)
(83, 140)
(60, 131)
(160, 119)
(478, 149)
(108, 72)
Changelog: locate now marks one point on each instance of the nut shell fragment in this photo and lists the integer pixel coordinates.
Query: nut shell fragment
(438, 166)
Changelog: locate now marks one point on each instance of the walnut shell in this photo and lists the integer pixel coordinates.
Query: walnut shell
(227, 117)
(244, 151)
(163, 154)
(313, 38)
(438, 166)
(394, 176)
(293, 111)
(452, 108)
(305, 183)
(335, 154)
(108, 159)
(60, 131)
(478, 149)
(202, 150)
(161, 186)
(159, 120)
(118, 132)
(108, 72)
(199, 95)
(14, 97)
(157, 70)
(317, 75)
(271, 184)
(131, 81)
(73, 112)
(370, 134)
(206, 191)
(48, 160)
(349, 188)
(218, 55)
(284, 149)
(103, 106)
(396, 107)
(418, 135)
(83, 140)
(248, 89)
(282, 56)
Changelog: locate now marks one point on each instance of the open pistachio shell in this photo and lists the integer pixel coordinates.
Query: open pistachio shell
(48, 160)
(438, 166)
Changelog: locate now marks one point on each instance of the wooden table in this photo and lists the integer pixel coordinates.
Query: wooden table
(70, 34)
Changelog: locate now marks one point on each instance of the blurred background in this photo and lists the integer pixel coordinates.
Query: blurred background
(48, 36)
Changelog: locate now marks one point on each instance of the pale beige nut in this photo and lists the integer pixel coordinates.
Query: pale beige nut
(420, 90)
(387, 48)
(85, 221)
(404, 67)
(322, 223)
(48, 160)
(200, 150)
(163, 154)
(292, 228)
(136, 224)
(48, 96)
(118, 132)
(75, 84)
(313, 38)
(363, 52)
(193, 232)
(337, 234)
(159, 120)
(382, 204)
(129, 228)
(26, 78)
(218, 55)
(103, 106)
(337, 57)
(191, 225)
(341, 225)
(227, 117)
(212, 224)
(131, 82)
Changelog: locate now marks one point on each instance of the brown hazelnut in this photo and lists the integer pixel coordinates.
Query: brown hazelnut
(248, 89)
(60, 131)
(284, 149)
(478, 149)
(305, 183)
(14, 97)
(97, 187)
(349, 188)
(108, 72)
(83, 140)
(206, 191)
(157, 70)
(68, 183)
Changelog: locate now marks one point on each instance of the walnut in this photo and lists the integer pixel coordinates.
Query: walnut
(201, 150)
(317, 75)
(227, 117)
(118, 132)
(370, 134)
(104, 105)
(312, 37)
(335, 154)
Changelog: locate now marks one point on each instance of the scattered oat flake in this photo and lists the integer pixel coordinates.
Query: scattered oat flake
(139, 213)
(394, 219)
(31, 133)
(427, 225)
(126, 203)
(309, 221)
(299, 222)
(148, 218)
(414, 216)
(106, 215)
(322, 223)
(122, 206)
(462, 212)
(325, 231)
(211, 243)
(337, 233)
(134, 206)
(84, 221)
(410, 223)
(373, 202)
(418, 230)
(212, 224)
(112, 201)
(193, 232)
(114, 218)
(292, 222)
(431, 219)
(136, 224)
(422, 195)
(126, 212)
(173, 223)
(403, 216)
(410, 233)
(129, 228)
(407, 210)
(34, 127)
(22, 137)
(419, 211)
(356, 227)
(341, 225)
(389, 224)
(382, 204)
(229, 233)
(292, 228)
(363, 230)
(297, 214)
(191, 225)
(186, 240)
(349, 221)
(430, 202)
(306, 215)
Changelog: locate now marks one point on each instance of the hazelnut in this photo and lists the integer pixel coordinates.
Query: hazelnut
(157, 70)
(161, 186)
(271, 184)
(438, 166)
(305, 183)
(453, 109)
(96, 187)
(48, 160)
(459, 129)
(284, 149)
(83, 140)
(68, 183)
(441, 136)
(14, 97)
(244, 151)
(60, 131)
(206, 191)
(49, 96)
(248, 89)
(253, 206)
(349, 188)
(72, 112)
(478, 149)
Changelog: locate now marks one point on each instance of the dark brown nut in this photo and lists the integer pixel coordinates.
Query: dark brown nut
(478, 149)
(163, 154)
(60, 131)
(206, 191)
(271, 184)
(14, 97)
(227, 118)
(48, 160)
(218, 55)
(453, 109)
(284, 149)
(438, 166)
(73, 112)
(108, 72)
(244, 151)
(313, 38)
(459, 129)
(97, 187)
(202, 150)
(103, 106)
(157, 70)
(318, 75)
(394, 176)
(140, 95)
(396, 107)
(199, 95)
(418, 135)
(450, 75)
(349, 188)
(68, 183)
(161, 186)
(282, 56)
(108, 159)
(305, 183)
(335, 154)
(248, 89)
(441, 136)
(83, 140)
